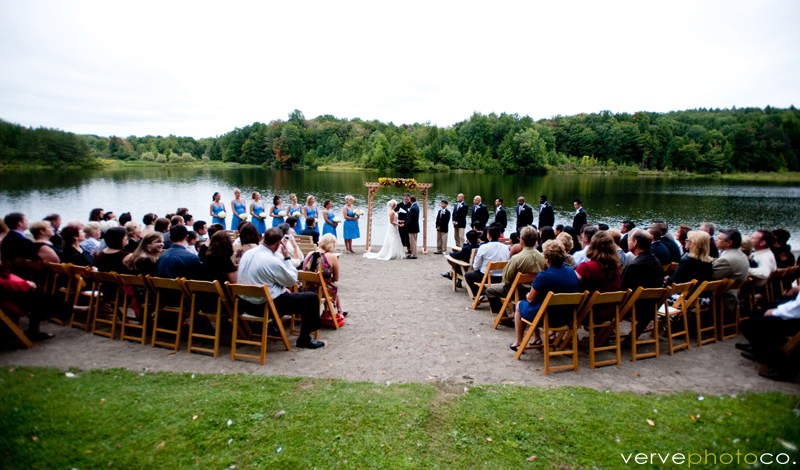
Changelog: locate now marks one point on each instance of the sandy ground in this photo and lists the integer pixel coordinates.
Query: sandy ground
(407, 325)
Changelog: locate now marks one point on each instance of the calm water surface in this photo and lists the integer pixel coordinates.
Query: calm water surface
(745, 205)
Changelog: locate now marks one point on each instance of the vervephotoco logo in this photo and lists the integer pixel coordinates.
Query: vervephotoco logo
(710, 458)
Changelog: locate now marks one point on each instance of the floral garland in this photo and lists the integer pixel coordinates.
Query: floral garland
(409, 183)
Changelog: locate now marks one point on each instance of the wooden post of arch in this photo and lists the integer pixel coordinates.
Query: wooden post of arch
(372, 188)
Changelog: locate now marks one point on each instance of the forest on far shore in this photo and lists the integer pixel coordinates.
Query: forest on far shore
(704, 141)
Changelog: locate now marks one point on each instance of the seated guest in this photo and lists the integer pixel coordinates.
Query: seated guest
(192, 241)
(528, 261)
(91, 242)
(212, 229)
(626, 228)
(124, 218)
(263, 266)
(144, 260)
(110, 259)
(297, 255)
(72, 252)
(217, 265)
(465, 254)
(546, 234)
(134, 235)
(767, 329)
(248, 239)
(15, 245)
(644, 270)
(3, 230)
(292, 221)
(602, 227)
(747, 248)
(566, 240)
(56, 240)
(601, 272)
(188, 220)
(709, 228)
(587, 233)
(492, 250)
(657, 247)
(558, 229)
(516, 248)
(576, 239)
(731, 264)
(669, 242)
(322, 261)
(762, 242)
(109, 221)
(617, 237)
(177, 261)
(202, 231)
(558, 279)
(162, 226)
(148, 220)
(311, 229)
(696, 263)
(681, 238)
(782, 250)
(42, 249)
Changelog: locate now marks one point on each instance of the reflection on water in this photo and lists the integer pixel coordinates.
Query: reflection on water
(746, 205)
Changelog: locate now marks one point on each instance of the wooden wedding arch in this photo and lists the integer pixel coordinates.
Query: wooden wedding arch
(399, 183)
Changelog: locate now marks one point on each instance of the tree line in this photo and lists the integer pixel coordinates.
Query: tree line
(704, 141)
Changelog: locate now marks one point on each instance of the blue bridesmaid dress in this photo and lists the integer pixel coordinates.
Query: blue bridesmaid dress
(275, 219)
(328, 228)
(350, 230)
(217, 210)
(313, 213)
(292, 210)
(240, 209)
(261, 224)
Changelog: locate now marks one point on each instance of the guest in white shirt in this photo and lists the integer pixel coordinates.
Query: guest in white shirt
(763, 256)
(270, 264)
(489, 251)
(768, 333)
(586, 238)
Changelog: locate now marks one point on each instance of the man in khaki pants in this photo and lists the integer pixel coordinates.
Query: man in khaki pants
(442, 225)
(412, 227)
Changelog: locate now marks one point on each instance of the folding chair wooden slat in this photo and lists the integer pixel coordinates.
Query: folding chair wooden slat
(195, 289)
(39, 274)
(678, 309)
(487, 280)
(163, 288)
(654, 297)
(15, 329)
(237, 290)
(84, 289)
(457, 268)
(713, 288)
(323, 294)
(670, 268)
(99, 279)
(610, 300)
(513, 292)
(723, 327)
(125, 281)
(58, 273)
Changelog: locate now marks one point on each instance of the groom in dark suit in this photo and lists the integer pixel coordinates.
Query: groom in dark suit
(402, 216)
(412, 227)
(546, 217)
(524, 214)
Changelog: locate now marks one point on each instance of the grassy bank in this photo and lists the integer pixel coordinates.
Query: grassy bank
(124, 419)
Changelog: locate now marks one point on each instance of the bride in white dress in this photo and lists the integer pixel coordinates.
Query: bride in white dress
(392, 245)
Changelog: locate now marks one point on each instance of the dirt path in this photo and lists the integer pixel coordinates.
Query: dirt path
(406, 325)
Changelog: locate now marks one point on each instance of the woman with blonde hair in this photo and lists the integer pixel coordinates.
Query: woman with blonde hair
(696, 263)
(323, 261)
(566, 240)
(293, 208)
(42, 231)
(350, 230)
(310, 210)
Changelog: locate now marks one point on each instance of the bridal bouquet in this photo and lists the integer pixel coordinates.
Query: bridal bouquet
(337, 220)
(358, 213)
(262, 215)
(282, 214)
(296, 214)
(242, 216)
(222, 215)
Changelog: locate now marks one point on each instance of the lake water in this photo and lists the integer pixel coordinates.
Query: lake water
(609, 199)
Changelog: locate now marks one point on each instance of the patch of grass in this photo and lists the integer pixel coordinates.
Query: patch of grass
(118, 419)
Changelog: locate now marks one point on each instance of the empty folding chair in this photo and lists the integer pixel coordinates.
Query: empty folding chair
(209, 301)
(677, 312)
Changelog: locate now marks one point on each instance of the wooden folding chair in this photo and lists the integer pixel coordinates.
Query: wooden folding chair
(99, 279)
(126, 281)
(323, 294)
(670, 268)
(84, 289)
(613, 300)
(457, 270)
(236, 290)
(62, 273)
(15, 329)
(305, 239)
(644, 297)
(555, 300)
(164, 289)
(513, 292)
(722, 327)
(39, 274)
(774, 285)
(679, 310)
(487, 281)
(202, 294)
(715, 288)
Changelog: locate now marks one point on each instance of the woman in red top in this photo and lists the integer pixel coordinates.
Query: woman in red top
(602, 272)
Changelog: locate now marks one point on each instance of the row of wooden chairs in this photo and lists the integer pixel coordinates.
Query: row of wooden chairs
(179, 297)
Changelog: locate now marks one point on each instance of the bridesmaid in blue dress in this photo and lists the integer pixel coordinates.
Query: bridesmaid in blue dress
(327, 215)
(311, 211)
(216, 208)
(350, 230)
(256, 209)
(293, 208)
(238, 207)
(276, 208)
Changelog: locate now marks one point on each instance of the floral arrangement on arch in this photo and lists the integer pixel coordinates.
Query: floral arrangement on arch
(409, 183)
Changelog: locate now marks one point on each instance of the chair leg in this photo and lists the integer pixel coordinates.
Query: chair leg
(235, 329)
(192, 318)
(217, 328)
(545, 342)
(591, 339)
(634, 338)
(155, 319)
(178, 328)
(574, 340)
(263, 356)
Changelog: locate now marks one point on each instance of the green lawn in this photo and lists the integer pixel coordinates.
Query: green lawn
(123, 419)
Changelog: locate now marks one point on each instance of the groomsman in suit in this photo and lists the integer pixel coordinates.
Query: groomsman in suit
(15, 245)
(412, 227)
(546, 217)
(627, 227)
(579, 219)
(402, 216)
(442, 225)
(500, 214)
(479, 212)
(460, 220)
(524, 214)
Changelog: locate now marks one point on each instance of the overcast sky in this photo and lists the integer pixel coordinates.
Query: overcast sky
(203, 68)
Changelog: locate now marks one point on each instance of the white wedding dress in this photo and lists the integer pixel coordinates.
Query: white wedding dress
(392, 244)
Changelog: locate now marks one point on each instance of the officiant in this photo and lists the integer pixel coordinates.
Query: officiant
(402, 215)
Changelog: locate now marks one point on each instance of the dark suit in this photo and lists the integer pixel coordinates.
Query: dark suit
(674, 249)
(15, 245)
(412, 228)
(644, 271)
(460, 222)
(402, 216)
(58, 242)
(442, 226)
(623, 243)
(501, 218)
(480, 214)
(312, 233)
(579, 220)
(660, 251)
(524, 216)
(546, 216)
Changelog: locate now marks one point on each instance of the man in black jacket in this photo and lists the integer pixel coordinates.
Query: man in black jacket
(500, 214)
(402, 215)
(442, 226)
(546, 216)
(579, 219)
(644, 271)
(412, 227)
(524, 214)
(311, 230)
(625, 230)
(479, 212)
(460, 220)
(15, 245)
